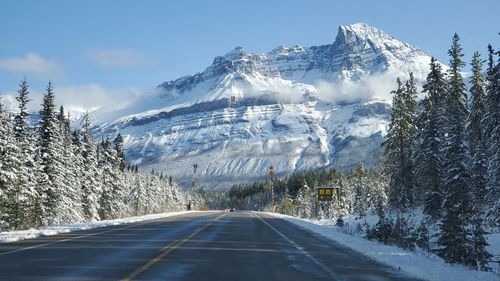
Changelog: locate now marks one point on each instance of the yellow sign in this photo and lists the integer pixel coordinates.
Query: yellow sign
(325, 194)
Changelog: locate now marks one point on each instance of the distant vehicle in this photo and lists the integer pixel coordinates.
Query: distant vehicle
(232, 210)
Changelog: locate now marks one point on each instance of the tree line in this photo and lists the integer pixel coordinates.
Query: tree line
(51, 173)
(441, 160)
(443, 154)
(358, 192)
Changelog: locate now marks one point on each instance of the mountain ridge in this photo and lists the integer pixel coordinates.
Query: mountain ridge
(295, 108)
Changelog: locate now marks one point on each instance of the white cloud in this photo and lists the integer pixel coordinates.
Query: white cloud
(33, 64)
(368, 87)
(93, 96)
(117, 58)
(80, 98)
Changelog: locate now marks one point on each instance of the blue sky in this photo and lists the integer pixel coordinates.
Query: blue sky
(112, 47)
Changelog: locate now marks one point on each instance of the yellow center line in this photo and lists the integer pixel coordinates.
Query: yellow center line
(233, 249)
(167, 250)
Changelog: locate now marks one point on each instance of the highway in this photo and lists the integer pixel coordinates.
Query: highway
(197, 246)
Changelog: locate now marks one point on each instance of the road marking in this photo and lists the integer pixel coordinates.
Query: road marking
(73, 238)
(168, 249)
(134, 224)
(230, 249)
(325, 268)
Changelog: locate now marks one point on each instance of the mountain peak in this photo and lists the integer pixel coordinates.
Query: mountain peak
(360, 33)
(362, 28)
(359, 49)
(237, 53)
(255, 103)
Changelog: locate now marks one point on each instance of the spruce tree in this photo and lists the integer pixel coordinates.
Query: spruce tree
(428, 157)
(75, 179)
(305, 202)
(399, 144)
(383, 229)
(476, 135)
(120, 151)
(454, 236)
(411, 105)
(91, 186)
(69, 206)
(478, 256)
(25, 138)
(423, 237)
(359, 204)
(11, 213)
(111, 196)
(21, 125)
(491, 121)
(51, 180)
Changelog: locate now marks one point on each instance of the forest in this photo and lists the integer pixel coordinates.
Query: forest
(437, 187)
(51, 173)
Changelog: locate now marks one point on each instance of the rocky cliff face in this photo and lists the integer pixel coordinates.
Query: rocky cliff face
(294, 108)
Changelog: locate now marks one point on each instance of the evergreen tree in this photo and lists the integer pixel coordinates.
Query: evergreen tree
(478, 256)
(476, 135)
(120, 151)
(25, 140)
(111, 196)
(456, 174)
(474, 126)
(295, 183)
(491, 121)
(428, 157)
(359, 191)
(453, 239)
(11, 213)
(454, 236)
(305, 202)
(411, 105)
(423, 237)
(51, 180)
(399, 143)
(69, 205)
(75, 180)
(91, 186)
(402, 233)
(383, 229)
(21, 125)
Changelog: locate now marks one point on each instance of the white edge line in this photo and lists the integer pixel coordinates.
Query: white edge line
(300, 249)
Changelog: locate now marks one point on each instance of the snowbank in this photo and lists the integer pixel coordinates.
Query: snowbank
(418, 264)
(11, 236)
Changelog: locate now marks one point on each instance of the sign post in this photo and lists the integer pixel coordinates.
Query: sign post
(271, 175)
(324, 194)
(195, 166)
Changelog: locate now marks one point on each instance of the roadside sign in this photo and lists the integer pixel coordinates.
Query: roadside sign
(325, 194)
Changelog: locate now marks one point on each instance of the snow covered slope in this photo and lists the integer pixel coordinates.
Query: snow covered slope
(294, 108)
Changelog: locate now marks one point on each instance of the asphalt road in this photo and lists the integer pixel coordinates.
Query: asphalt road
(197, 246)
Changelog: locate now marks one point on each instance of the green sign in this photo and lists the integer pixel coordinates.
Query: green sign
(325, 194)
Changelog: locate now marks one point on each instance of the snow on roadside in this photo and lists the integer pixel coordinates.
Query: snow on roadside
(11, 236)
(417, 264)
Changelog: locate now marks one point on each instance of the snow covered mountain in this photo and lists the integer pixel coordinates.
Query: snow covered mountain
(294, 108)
